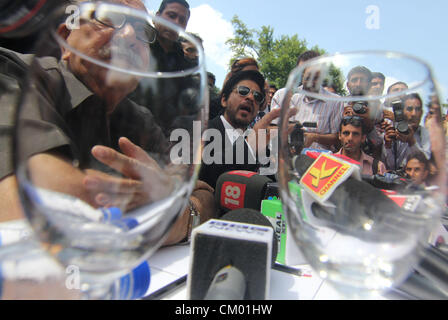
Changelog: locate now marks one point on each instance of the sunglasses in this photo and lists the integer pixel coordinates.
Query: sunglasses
(143, 30)
(417, 109)
(353, 120)
(244, 92)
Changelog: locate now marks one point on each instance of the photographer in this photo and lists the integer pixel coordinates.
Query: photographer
(372, 145)
(359, 84)
(406, 135)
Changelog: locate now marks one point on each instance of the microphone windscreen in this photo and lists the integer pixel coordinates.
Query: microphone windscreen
(220, 243)
(421, 288)
(240, 189)
(355, 205)
(228, 284)
(434, 266)
(253, 217)
(302, 162)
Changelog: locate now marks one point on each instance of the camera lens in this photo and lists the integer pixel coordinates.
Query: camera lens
(403, 127)
(359, 108)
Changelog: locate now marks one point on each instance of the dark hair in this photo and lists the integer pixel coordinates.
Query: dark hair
(412, 96)
(167, 2)
(399, 82)
(211, 75)
(240, 64)
(420, 156)
(307, 55)
(194, 35)
(253, 75)
(378, 75)
(273, 86)
(360, 69)
(355, 121)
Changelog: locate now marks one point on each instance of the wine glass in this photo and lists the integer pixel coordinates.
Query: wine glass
(107, 139)
(362, 233)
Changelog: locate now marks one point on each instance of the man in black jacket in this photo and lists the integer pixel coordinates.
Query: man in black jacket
(228, 145)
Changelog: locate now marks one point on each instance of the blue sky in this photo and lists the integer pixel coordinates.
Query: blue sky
(414, 27)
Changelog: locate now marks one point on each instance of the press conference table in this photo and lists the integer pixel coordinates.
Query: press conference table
(171, 264)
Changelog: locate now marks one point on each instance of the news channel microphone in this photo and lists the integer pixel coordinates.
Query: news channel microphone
(355, 203)
(241, 189)
(231, 260)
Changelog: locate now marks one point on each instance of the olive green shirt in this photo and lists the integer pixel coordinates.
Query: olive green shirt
(58, 113)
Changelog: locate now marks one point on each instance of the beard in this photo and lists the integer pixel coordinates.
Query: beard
(358, 91)
(238, 123)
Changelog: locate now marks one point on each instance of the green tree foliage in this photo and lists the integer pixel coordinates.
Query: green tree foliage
(276, 57)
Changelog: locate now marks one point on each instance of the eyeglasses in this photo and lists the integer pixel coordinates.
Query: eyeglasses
(417, 109)
(143, 30)
(353, 120)
(244, 92)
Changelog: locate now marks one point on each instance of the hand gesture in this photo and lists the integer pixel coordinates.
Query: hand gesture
(144, 181)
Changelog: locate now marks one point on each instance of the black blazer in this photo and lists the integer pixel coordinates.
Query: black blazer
(211, 172)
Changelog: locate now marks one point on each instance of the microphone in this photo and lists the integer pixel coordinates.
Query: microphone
(240, 189)
(387, 181)
(231, 258)
(228, 284)
(356, 203)
(434, 267)
(418, 287)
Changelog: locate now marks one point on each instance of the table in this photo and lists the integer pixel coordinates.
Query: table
(172, 263)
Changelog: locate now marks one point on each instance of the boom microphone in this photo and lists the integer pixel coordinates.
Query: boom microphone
(231, 258)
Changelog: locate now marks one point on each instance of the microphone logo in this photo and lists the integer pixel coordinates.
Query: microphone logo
(321, 174)
(232, 195)
(325, 175)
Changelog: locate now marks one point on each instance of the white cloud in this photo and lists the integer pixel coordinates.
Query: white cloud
(210, 25)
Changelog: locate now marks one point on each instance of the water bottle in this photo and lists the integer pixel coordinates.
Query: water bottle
(134, 285)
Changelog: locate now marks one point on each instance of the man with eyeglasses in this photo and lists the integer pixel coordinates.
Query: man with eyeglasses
(398, 145)
(351, 135)
(82, 107)
(241, 98)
